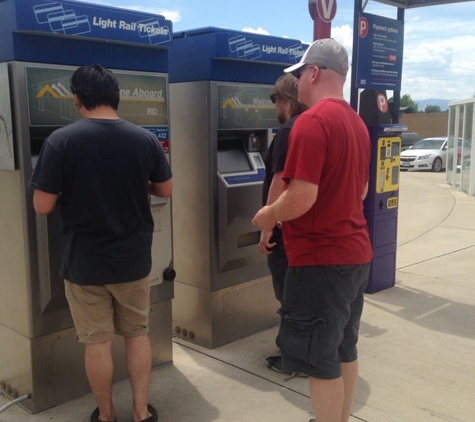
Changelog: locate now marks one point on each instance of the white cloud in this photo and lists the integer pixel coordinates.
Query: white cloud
(256, 31)
(344, 35)
(173, 15)
(442, 68)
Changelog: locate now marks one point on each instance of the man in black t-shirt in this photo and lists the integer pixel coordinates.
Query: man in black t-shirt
(288, 108)
(103, 168)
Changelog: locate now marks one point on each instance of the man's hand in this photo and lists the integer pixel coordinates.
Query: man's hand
(264, 243)
(264, 219)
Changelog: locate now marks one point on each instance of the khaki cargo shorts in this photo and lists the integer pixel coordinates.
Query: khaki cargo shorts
(100, 311)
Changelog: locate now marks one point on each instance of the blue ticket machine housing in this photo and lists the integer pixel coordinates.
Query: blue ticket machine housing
(42, 43)
(382, 201)
(222, 121)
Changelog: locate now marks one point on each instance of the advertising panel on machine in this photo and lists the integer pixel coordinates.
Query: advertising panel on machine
(90, 20)
(143, 99)
(246, 46)
(245, 106)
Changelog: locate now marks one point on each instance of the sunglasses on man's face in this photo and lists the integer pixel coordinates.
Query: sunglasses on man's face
(273, 98)
(298, 73)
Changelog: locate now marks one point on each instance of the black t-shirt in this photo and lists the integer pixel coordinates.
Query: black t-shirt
(102, 169)
(276, 155)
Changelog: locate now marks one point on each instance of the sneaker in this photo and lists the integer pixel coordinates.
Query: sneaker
(312, 420)
(275, 363)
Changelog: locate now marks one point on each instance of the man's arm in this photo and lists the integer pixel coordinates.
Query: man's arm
(275, 190)
(276, 187)
(293, 203)
(163, 189)
(44, 202)
(365, 192)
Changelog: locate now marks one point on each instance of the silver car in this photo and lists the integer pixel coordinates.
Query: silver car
(427, 154)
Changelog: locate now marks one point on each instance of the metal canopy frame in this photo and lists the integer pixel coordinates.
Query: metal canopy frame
(409, 4)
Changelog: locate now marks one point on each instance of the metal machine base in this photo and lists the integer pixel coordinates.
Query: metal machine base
(51, 367)
(214, 318)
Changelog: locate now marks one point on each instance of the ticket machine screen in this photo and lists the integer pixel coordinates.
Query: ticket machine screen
(232, 160)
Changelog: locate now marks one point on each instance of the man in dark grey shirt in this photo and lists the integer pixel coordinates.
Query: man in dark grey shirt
(103, 168)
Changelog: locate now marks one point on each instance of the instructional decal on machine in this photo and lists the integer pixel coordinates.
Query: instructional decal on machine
(380, 49)
(7, 161)
(143, 97)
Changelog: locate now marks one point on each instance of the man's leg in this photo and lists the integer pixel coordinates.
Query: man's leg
(350, 376)
(139, 366)
(327, 398)
(100, 370)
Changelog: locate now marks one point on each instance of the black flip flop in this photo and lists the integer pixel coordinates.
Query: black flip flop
(153, 412)
(95, 416)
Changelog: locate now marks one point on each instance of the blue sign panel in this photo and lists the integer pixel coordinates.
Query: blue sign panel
(380, 47)
(89, 20)
(245, 46)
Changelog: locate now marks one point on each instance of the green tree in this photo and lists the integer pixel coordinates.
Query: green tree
(407, 101)
(432, 109)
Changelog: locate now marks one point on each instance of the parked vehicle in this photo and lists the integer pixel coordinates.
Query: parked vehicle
(427, 154)
(465, 154)
(408, 139)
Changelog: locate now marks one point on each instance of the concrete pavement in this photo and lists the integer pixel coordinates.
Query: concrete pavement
(417, 342)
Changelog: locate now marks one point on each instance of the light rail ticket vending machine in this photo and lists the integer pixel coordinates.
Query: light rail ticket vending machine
(382, 201)
(39, 52)
(222, 121)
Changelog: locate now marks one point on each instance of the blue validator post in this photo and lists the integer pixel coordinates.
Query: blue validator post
(382, 202)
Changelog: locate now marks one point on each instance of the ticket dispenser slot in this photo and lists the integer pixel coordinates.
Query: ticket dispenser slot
(240, 174)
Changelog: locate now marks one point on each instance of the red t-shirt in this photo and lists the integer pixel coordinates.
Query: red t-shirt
(329, 146)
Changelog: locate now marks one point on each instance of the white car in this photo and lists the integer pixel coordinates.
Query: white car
(427, 154)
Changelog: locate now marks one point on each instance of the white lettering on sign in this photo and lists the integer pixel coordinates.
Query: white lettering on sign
(382, 103)
(104, 23)
(262, 102)
(129, 26)
(141, 93)
(326, 10)
(153, 30)
(385, 29)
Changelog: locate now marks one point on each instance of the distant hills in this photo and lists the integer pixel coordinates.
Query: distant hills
(443, 104)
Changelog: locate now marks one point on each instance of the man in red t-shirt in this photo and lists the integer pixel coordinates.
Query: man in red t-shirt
(325, 233)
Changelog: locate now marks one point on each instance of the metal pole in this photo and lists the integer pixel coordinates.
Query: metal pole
(354, 59)
(397, 94)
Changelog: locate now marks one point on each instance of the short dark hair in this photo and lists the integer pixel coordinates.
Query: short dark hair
(95, 86)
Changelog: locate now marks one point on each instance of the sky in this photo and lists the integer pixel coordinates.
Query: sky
(439, 41)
